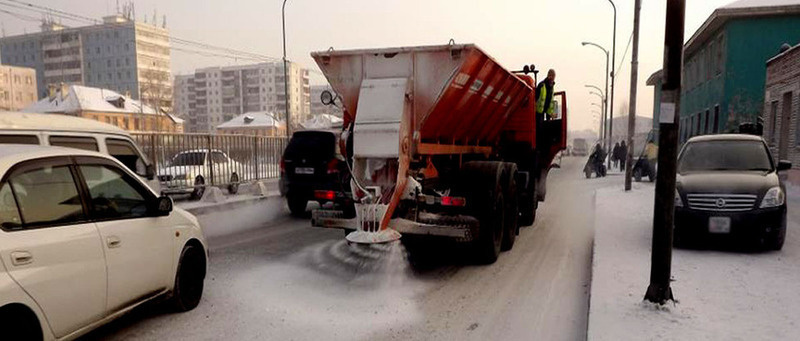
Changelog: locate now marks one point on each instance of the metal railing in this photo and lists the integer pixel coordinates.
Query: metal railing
(184, 162)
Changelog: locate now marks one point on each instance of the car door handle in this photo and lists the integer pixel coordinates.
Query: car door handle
(113, 242)
(21, 257)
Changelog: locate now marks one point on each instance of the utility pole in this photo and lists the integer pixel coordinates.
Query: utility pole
(610, 110)
(634, 79)
(285, 72)
(659, 290)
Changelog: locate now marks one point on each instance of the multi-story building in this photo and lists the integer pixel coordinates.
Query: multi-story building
(17, 87)
(724, 65)
(119, 54)
(317, 107)
(215, 95)
(107, 106)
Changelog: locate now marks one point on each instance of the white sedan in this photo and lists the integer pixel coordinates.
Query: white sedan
(189, 172)
(83, 240)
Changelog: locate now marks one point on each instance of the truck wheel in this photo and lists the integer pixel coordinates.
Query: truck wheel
(528, 209)
(512, 207)
(297, 205)
(484, 181)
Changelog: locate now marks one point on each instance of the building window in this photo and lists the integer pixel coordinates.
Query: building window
(108, 63)
(127, 61)
(716, 119)
(89, 78)
(707, 118)
(773, 122)
(119, 63)
(720, 55)
(97, 50)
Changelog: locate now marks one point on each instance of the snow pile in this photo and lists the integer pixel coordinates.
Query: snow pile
(213, 195)
(721, 294)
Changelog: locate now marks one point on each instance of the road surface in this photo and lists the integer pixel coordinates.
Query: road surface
(287, 280)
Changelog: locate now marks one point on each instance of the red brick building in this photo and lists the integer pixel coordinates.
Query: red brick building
(781, 105)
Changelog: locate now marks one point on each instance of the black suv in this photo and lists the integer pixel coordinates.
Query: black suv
(313, 169)
(728, 186)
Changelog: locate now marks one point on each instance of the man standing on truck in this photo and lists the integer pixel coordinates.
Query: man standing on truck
(544, 97)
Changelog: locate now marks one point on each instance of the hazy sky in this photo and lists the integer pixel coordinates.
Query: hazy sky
(515, 32)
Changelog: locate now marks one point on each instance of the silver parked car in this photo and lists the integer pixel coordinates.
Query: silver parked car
(189, 172)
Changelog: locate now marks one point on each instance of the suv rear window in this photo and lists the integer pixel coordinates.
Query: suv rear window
(77, 142)
(318, 145)
(124, 151)
(728, 155)
(19, 139)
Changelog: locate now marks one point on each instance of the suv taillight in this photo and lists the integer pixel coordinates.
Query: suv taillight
(283, 165)
(333, 166)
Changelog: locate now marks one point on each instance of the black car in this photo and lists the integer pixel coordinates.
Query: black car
(728, 187)
(313, 169)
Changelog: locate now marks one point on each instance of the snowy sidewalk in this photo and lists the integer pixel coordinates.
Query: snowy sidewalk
(722, 295)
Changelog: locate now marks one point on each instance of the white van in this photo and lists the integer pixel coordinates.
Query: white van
(76, 132)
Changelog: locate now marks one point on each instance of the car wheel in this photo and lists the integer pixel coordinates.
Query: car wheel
(189, 279)
(678, 240)
(233, 187)
(199, 188)
(637, 174)
(297, 205)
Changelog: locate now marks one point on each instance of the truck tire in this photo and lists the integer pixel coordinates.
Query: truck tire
(512, 206)
(484, 182)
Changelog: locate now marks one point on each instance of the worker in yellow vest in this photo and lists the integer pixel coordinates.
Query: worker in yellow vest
(544, 97)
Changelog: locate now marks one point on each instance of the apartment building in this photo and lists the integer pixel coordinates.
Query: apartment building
(17, 87)
(118, 54)
(213, 95)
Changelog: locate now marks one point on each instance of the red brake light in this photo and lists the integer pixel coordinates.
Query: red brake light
(283, 165)
(454, 201)
(325, 195)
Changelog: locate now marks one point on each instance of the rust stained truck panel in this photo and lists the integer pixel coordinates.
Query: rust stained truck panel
(461, 96)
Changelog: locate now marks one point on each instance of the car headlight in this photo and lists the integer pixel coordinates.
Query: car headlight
(774, 198)
(678, 201)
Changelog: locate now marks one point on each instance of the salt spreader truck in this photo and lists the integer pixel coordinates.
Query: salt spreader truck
(441, 141)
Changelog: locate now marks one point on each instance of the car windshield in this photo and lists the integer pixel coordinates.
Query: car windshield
(189, 159)
(724, 156)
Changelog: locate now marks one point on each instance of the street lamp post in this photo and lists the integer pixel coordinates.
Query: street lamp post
(613, 75)
(605, 111)
(285, 72)
(601, 131)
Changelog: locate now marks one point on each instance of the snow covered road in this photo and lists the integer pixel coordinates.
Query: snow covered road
(287, 280)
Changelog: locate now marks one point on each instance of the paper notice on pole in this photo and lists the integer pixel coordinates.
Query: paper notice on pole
(667, 113)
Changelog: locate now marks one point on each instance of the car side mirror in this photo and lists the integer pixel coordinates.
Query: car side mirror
(150, 172)
(162, 206)
(784, 165)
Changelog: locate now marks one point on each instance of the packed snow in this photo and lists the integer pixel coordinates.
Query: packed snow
(720, 295)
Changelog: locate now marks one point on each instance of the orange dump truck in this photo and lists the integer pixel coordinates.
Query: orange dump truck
(441, 141)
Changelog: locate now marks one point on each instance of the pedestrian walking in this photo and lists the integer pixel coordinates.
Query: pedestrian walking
(623, 151)
(615, 155)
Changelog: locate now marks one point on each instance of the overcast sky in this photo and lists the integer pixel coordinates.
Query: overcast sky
(515, 32)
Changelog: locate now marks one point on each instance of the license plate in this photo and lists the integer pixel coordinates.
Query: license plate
(304, 170)
(719, 225)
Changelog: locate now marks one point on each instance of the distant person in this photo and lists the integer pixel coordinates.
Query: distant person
(623, 150)
(615, 155)
(597, 158)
